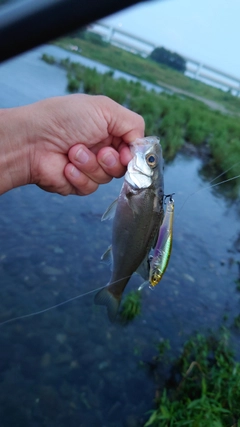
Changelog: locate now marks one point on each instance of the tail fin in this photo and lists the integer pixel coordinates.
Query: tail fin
(105, 297)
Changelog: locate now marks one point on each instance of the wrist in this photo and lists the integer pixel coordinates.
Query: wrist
(14, 148)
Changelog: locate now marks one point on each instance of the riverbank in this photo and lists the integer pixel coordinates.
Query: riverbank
(149, 70)
(176, 120)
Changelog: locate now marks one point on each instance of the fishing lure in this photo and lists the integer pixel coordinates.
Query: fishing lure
(163, 248)
(159, 261)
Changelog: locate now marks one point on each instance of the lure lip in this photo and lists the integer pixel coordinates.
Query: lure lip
(144, 284)
(170, 197)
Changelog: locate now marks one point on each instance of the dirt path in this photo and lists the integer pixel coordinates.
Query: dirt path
(211, 104)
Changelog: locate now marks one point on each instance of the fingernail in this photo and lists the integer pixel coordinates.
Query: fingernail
(109, 160)
(75, 172)
(82, 156)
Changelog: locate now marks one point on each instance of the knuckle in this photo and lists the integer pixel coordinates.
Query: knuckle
(87, 188)
(105, 179)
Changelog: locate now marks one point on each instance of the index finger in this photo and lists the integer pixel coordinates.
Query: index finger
(122, 123)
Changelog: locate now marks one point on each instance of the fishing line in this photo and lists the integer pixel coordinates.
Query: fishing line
(97, 289)
(208, 186)
(211, 186)
(24, 316)
(227, 170)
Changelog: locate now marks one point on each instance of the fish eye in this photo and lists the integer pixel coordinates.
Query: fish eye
(151, 160)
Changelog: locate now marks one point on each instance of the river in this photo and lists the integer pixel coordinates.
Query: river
(69, 366)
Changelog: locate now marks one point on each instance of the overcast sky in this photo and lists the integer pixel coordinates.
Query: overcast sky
(206, 30)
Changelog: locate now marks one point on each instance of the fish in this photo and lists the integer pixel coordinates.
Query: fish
(137, 216)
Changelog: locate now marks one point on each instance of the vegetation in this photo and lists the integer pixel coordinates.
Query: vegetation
(171, 59)
(147, 69)
(49, 59)
(203, 389)
(237, 322)
(131, 306)
(89, 36)
(238, 284)
(174, 119)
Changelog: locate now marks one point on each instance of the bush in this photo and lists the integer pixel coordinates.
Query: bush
(49, 59)
(92, 82)
(73, 84)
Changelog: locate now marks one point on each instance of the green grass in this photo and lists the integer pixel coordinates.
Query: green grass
(207, 390)
(149, 70)
(131, 307)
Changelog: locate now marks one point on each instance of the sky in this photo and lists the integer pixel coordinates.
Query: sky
(206, 30)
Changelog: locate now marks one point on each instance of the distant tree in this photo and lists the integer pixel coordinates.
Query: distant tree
(88, 35)
(79, 33)
(171, 59)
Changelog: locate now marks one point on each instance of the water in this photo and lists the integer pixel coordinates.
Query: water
(70, 366)
(30, 79)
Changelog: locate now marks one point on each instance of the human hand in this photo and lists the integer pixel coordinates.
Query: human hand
(67, 145)
(80, 142)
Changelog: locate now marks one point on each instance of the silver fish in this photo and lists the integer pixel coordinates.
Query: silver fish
(138, 216)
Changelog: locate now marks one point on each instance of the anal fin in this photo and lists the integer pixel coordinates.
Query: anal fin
(107, 256)
(144, 268)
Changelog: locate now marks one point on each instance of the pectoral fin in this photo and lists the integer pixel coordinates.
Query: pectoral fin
(110, 212)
